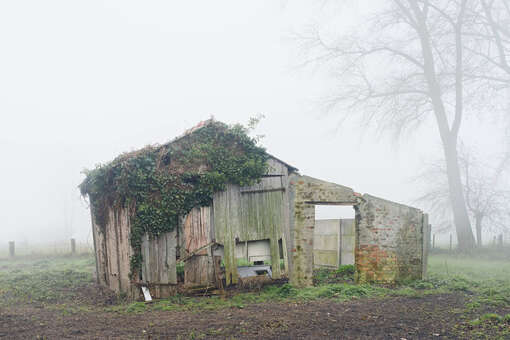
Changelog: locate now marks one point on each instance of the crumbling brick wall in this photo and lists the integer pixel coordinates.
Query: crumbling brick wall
(389, 241)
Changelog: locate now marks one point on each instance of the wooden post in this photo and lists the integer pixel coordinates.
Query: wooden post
(425, 245)
(339, 250)
(451, 243)
(246, 255)
(12, 249)
(434, 241)
(73, 246)
(217, 272)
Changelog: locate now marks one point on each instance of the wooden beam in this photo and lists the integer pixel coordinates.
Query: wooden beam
(261, 190)
(194, 252)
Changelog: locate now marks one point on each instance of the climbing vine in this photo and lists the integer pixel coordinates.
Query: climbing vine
(159, 184)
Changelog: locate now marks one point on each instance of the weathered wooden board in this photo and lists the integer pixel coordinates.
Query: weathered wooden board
(275, 180)
(257, 212)
(261, 213)
(197, 229)
(123, 227)
(199, 269)
(100, 252)
(112, 252)
(159, 259)
(227, 219)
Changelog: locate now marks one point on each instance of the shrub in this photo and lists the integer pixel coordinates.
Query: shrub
(346, 270)
(355, 291)
(286, 290)
(423, 285)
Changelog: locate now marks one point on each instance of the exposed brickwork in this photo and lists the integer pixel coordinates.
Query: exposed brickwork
(388, 241)
(376, 265)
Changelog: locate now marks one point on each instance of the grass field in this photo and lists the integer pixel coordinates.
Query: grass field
(481, 288)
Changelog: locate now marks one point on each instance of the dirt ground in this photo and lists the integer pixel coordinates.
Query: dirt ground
(430, 317)
(56, 298)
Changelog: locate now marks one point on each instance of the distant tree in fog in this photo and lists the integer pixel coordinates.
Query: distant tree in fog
(487, 194)
(417, 60)
(493, 37)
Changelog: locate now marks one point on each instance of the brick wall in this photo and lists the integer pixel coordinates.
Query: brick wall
(388, 235)
(389, 241)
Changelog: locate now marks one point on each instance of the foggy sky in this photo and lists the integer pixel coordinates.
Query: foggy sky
(81, 82)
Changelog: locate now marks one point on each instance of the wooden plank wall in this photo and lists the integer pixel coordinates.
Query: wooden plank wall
(227, 219)
(250, 213)
(124, 251)
(113, 251)
(198, 270)
(159, 259)
(100, 252)
(197, 229)
(257, 212)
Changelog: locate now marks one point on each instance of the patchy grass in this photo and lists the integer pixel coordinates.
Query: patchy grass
(43, 280)
(58, 282)
(487, 281)
(284, 293)
(486, 284)
(487, 326)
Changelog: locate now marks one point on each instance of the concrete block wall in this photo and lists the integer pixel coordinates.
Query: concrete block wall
(333, 243)
(326, 239)
(347, 241)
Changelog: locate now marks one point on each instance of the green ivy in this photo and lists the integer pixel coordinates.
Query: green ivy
(159, 184)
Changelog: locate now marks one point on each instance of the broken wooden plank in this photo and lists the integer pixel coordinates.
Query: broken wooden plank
(195, 252)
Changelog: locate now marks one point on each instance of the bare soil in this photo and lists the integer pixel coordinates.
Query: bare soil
(428, 317)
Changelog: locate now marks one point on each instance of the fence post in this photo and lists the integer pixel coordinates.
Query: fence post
(500, 239)
(73, 246)
(451, 243)
(12, 249)
(434, 241)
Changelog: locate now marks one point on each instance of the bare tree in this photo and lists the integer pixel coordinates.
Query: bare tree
(493, 36)
(415, 60)
(487, 194)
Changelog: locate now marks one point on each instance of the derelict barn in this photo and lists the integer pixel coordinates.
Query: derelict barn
(242, 223)
(268, 225)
